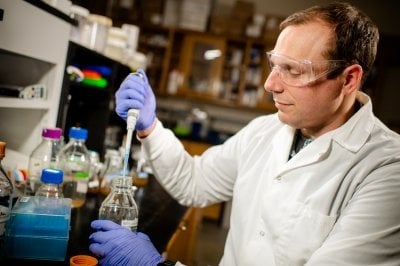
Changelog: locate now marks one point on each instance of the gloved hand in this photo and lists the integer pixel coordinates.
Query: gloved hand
(117, 245)
(135, 92)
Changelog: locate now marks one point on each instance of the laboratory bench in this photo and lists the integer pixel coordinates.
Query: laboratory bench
(159, 217)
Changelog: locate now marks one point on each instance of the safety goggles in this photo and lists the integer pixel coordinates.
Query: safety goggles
(301, 73)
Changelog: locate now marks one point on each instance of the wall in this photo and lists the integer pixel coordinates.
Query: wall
(385, 15)
(384, 12)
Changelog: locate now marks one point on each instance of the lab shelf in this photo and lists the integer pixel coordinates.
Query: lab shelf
(6, 102)
(32, 51)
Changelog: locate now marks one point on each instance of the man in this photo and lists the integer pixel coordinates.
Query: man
(317, 183)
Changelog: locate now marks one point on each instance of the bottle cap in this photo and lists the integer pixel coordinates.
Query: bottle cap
(78, 133)
(83, 260)
(53, 176)
(2, 149)
(52, 133)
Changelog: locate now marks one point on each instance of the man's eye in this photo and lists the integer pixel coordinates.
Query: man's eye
(294, 71)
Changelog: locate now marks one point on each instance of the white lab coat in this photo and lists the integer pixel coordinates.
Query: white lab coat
(337, 202)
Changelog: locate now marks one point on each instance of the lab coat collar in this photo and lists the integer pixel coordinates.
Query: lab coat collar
(355, 132)
(282, 144)
(352, 136)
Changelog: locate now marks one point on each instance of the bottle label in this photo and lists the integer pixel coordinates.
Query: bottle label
(25, 199)
(81, 175)
(4, 216)
(82, 186)
(35, 169)
(93, 184)
(132, 224)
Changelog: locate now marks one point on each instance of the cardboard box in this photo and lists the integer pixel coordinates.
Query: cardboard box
(243, 10)
(194, 14)
(271, 27)
(236, 28)
(219, 24)
(171, 13)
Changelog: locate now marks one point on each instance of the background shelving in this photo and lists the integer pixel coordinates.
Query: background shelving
(29, 57)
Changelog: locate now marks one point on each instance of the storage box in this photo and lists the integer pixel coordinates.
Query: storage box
(271, 27)
(243, 10)
(171, 13)
(219, 24)
(38, 228)
(194, 14)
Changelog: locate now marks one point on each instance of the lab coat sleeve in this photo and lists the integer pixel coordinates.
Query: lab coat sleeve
(192, 180)
(367, 231)
(197, 180)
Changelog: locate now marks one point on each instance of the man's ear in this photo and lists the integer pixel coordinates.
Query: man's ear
(352, 78)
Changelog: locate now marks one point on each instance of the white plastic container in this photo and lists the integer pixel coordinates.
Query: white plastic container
(116, 44)
(132, 33)
(79, 33)
(98, 33)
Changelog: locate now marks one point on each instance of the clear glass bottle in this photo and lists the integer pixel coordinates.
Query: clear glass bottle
(51, 183)
(113, 168)
(75, 163)
(45, 155)
(95, 169)
(6, 190)
(120, 206)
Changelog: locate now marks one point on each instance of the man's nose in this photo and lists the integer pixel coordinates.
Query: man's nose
(273, 82)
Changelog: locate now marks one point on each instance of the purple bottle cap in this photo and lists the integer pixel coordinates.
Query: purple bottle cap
(52, 133)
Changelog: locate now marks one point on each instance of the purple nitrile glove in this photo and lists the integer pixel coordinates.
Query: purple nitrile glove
(135, 93)
(117, 245)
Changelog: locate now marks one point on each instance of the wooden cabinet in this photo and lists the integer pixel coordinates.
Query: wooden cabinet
(194, 147)
(245, 71)
(182, 245)
(202, 58)
(218, 69)
(212, 212)
(156, 44)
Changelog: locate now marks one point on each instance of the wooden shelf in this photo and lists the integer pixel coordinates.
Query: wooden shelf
(180, 54)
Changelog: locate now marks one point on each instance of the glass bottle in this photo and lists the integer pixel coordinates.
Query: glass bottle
(95, 169)
(51, 183)
(75, 162)
(45, 155)
(120, 206)
(6, 190)
(113, 168)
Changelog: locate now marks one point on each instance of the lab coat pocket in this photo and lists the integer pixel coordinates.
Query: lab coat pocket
(307, 231)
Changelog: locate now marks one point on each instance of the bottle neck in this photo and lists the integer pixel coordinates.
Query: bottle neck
(50, 139)
(122, 182)
(51, 185)
(77, 140)
(50, 190)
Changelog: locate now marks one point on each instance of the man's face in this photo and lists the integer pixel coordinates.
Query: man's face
(315, 106)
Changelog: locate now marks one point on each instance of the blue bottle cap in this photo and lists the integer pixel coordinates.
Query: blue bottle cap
(78, 133)
(53, 176)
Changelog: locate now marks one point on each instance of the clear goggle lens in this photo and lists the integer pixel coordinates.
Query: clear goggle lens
(300, 73)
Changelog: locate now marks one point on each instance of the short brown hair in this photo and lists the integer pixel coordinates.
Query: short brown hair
(356, 36)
